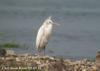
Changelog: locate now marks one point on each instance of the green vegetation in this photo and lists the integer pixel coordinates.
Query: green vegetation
(9, 45)
(2, 33)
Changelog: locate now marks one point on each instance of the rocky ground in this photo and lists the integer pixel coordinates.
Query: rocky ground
(44, 63)
(9, 61)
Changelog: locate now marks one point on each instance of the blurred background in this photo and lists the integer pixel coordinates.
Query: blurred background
(77, 36)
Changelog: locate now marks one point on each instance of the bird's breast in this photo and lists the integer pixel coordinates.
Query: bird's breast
(48, 29)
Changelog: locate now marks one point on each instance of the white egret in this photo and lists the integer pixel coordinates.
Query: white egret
(44, 34)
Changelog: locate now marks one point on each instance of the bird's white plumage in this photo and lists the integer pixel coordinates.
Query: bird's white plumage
(44, 34)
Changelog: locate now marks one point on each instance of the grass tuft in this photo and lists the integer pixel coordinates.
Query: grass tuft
(9, 45)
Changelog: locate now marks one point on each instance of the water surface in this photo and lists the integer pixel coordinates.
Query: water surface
(77, 36)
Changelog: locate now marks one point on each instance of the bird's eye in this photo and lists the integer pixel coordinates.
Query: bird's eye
(50, 22)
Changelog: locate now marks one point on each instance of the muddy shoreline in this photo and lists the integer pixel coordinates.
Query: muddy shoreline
(44, 63)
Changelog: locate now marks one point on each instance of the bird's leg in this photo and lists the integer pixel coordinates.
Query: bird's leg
(41, 52)
(44, 52)
(38, 52)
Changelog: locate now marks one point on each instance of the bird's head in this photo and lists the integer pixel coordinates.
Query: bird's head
(49, 21)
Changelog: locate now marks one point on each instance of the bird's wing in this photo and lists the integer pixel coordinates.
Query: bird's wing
(39, 36)
(46, 35)
(43, 37)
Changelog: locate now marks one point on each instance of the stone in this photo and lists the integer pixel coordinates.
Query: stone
(98, 60)
(2, 52)
(10, 52)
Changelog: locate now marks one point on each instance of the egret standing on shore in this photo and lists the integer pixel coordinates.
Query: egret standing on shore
(43, 35)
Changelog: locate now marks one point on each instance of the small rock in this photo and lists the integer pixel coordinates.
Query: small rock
(10, 52)
(17, 59)
(2, 52)
(98, 60)
(9, 58)
(94, 68)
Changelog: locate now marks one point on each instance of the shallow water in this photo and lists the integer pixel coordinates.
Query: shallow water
(77, 36)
